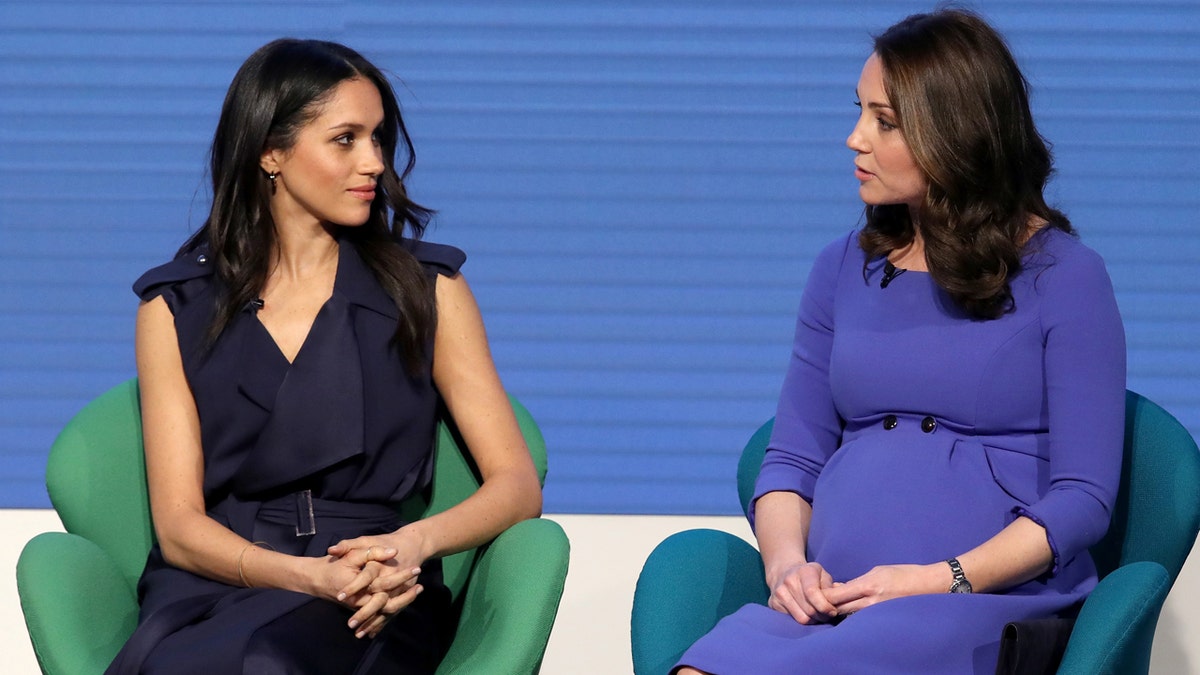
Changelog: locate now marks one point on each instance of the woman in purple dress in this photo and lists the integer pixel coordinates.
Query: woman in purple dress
(292, 360)
(948, 439)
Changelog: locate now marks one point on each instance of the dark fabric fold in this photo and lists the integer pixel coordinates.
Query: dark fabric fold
(317, 417)
(1033, 647)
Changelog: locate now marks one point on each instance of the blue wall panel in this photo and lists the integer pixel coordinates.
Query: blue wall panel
(640, 186)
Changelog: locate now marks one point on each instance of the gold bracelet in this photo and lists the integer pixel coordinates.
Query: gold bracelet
(242, 554)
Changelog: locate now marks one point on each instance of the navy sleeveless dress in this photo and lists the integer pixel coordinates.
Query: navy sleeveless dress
(917, 433)
(299, 455)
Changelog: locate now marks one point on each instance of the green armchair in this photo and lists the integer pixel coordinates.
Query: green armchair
(77, 589)
(694, 578)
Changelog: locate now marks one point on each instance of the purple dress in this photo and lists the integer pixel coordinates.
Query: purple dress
(917, 433)
(298, 455)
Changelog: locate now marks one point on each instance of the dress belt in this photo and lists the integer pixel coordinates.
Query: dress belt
(307, 513)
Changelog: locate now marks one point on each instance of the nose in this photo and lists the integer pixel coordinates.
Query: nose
(372, 163)
(856, 141)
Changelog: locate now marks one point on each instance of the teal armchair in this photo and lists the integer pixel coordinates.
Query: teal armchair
(694, 578)
(77, 588)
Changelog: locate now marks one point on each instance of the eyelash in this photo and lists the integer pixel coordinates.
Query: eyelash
(347, 139)
(884, 125)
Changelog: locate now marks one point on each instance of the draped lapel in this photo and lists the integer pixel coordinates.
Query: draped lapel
(316, 410)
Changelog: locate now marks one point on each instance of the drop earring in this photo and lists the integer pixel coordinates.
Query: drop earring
(271, 177)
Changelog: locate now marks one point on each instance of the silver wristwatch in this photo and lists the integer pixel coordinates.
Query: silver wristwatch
(960, 585)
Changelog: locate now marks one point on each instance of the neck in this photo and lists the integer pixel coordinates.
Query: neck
(299, 255)
(912, 255)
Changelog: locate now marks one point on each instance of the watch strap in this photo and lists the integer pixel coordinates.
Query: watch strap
(960, 583)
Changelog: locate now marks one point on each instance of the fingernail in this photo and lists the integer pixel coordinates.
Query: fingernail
(360, 634)
(391, 551)
(354, 623)
(419, 588)
(416, 571)
(342, 596)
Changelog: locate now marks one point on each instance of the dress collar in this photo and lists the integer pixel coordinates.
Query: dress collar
(357, 284)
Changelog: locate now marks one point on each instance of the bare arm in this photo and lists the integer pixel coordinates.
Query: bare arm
(781, 527)
(467, 380)
(797, 586)
(1016, 554)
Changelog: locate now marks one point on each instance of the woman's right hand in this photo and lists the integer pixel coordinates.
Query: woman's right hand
(375, 609)
(332, 575)
(799, 590)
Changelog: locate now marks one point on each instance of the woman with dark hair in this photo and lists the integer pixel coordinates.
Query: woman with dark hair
(291, 361)
(948, 438)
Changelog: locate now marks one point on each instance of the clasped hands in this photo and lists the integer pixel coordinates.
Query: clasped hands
(810, 595)
(376, 576)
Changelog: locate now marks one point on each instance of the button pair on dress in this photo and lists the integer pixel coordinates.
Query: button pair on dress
(928, 424)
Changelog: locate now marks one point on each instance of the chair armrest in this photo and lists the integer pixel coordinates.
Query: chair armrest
(690, 581)
(510, 601)
(1115, 628)
(78, 607)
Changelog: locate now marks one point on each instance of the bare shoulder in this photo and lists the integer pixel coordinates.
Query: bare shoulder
(451, 289)
(154, 319)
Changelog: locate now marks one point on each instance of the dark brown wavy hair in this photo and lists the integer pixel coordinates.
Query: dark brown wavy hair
(963, 107)
(280, 88)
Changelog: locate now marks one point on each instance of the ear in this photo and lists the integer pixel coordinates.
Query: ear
(269, 161)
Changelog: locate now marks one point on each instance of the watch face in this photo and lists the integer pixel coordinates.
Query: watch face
(962, 586)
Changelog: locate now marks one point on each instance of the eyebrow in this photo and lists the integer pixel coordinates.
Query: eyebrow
(874, 106)
(351, 126)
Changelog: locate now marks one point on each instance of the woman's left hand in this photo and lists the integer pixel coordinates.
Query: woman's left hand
(399, 550)
(889, 581)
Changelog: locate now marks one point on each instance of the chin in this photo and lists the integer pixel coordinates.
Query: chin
(870, 200)
(357, 220)
(866, 194)
(876, 200)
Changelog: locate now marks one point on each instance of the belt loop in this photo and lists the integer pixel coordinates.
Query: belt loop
(306, 523)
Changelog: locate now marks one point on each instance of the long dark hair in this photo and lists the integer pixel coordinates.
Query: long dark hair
(963, 107)
(280, 88)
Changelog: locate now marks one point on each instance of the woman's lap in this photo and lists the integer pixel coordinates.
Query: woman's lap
(311, 638)
(941, 633)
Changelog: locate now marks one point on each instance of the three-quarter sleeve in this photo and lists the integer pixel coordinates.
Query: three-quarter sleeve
(1085, 390)
(807, 426)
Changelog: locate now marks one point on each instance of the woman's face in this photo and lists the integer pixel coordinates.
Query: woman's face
(884, 165)
(328, 176)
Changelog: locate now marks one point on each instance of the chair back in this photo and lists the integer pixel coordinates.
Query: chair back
(751, 461)
(455, 477)
(96, 477)
(1157, 513)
